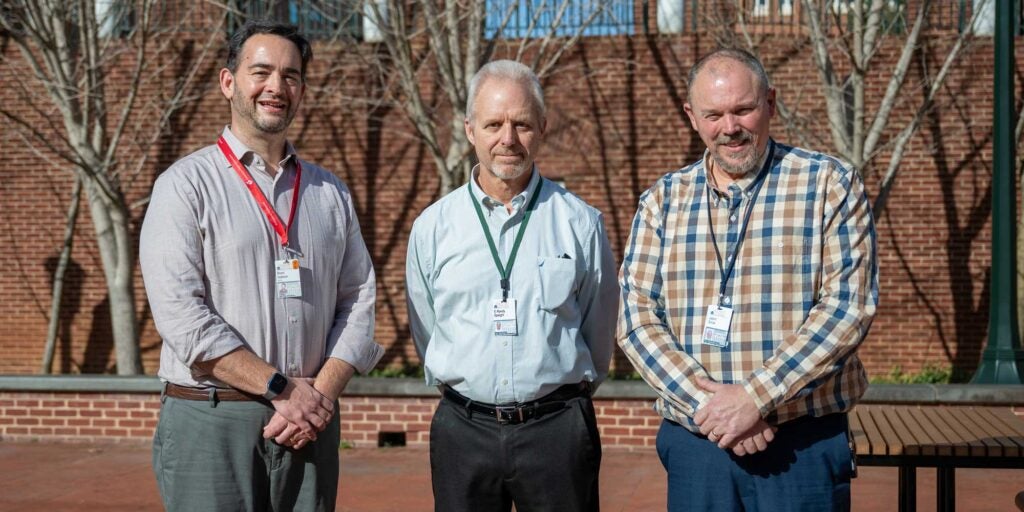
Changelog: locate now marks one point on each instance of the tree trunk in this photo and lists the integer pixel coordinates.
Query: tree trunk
(58, 278)
(113, 237)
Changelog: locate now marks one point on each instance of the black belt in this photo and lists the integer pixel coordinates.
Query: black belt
(515, 413)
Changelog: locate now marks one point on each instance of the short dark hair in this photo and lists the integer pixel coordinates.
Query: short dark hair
(744, 57)
(256, 27)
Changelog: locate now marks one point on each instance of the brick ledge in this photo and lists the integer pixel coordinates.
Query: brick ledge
(376, 386)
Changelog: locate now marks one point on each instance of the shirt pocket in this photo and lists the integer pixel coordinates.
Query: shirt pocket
(557, 277)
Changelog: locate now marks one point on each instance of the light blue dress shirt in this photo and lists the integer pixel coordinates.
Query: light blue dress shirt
(563, 279)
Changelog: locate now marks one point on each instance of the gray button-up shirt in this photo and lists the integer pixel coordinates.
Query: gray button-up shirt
(208, 253)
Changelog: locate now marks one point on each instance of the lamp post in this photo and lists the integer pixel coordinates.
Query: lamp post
(1002, 361)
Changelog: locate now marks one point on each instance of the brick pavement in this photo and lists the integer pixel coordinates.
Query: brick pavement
(117, 477)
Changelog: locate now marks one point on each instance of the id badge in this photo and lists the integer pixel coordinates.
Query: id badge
(288, 283)
(716, 326)
(503, 313)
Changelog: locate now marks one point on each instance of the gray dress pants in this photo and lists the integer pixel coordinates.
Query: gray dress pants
(211, 456)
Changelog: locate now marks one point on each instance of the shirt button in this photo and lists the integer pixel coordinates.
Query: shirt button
(504, 382)
(727, 301)
(504, 343)
(292, 319)
(728, 258)
(732, 218)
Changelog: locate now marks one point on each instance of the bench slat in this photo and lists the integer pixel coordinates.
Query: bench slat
(984, 431)
(959, 419)
(876, 444)
(893, 443)
(861, 445)
(952, 444)
(908, 439)
(1013, 446)
(925, 445)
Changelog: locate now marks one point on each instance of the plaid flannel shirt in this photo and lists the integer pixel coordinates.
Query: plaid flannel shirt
(803, 291)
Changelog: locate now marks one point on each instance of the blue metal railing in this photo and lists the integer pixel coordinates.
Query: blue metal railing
(514, 19)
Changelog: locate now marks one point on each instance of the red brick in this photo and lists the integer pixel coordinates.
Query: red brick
(630, 421)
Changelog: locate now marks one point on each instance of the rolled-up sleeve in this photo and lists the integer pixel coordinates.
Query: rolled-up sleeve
(171, 257)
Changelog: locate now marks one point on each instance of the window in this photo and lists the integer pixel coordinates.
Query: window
(315, 19)
(114, 18)
(535, 18)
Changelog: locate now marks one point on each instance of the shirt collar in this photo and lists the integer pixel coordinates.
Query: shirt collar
(249, 158)
(518, 201)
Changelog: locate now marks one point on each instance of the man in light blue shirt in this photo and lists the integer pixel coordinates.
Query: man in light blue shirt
(512, 300)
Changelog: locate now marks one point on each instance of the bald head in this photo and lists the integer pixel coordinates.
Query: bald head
(719, 61)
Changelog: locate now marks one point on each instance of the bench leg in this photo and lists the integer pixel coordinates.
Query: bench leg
(945, 484)
(908, 489)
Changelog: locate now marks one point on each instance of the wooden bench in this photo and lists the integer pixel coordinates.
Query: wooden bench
(943, 437)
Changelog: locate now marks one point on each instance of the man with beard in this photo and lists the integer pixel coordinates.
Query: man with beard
(748, 283)
(512, 297)
(262, 290)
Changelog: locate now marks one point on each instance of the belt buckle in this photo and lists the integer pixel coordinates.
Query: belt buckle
(506, 413)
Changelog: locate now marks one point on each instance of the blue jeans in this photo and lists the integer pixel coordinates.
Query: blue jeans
(807, 467)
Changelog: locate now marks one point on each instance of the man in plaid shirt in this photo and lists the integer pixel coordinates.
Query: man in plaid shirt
(748, 282)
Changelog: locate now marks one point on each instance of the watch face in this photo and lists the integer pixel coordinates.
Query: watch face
(277, 383)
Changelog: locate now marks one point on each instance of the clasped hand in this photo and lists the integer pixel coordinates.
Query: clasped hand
(732, 419)
(301, 412)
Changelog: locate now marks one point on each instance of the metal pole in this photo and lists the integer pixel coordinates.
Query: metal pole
(1002, 361)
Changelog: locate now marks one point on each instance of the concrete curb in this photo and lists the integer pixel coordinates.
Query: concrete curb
(975, 394)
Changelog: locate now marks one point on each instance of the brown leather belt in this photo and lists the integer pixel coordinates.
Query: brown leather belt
(210, 394)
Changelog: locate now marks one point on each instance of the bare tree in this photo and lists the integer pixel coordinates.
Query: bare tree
(72, 50)
(846, 37)
(439, 45)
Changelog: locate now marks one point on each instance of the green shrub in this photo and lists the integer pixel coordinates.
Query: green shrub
(930, 374)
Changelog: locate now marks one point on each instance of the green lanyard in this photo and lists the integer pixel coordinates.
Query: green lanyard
(505, 270)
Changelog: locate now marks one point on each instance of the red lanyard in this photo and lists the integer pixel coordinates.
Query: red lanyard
(257, 194)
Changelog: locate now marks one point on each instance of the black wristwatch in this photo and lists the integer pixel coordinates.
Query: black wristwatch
(275, 386)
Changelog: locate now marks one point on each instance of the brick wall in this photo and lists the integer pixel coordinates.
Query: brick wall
(616, 125)
(120, 417)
